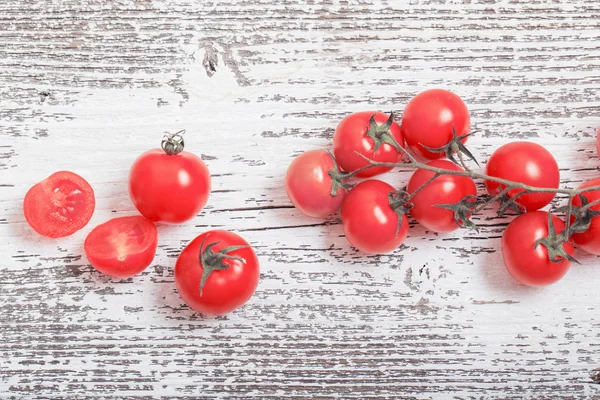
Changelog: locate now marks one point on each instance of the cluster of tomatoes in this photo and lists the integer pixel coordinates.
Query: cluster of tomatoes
(216, 273)
(436, 124)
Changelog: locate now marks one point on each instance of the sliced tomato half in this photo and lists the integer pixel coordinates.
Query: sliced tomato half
(60, 205)
(122, 247)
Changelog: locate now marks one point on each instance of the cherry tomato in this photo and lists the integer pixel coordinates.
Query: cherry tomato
(358, 133)
(445, 189)
(169, 185)
(217, 272)
(60, 205)
(528, 264)
(527, 163)
(122, 247)
(429, 119)
(589, 241)
(370, 223)
(310, 182)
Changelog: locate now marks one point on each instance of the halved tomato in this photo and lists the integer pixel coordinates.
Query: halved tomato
(60, 205)
(122, 247)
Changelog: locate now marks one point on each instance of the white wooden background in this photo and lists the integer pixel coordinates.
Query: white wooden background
(87, 85)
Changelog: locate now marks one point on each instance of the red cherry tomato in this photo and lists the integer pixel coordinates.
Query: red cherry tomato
(358, 134)
(429, 118)
(589, 241)
(370, 223)
(169, 185)
(309, 184)
(228, 266)
(527, 163)
(445, 189)
(122, 247)
(528, 264)
(60, 205)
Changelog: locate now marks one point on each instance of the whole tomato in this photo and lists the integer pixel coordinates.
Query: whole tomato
(371, 134)
(589, 240)
(430, 118)
(313, 183)
(169, 185)
(217, 272)
(370, 222)
(60, 205)
(445, 189)
(526, 262)
(527, 163)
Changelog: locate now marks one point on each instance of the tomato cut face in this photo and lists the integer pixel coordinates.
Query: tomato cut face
(60, 205)
(122, 247)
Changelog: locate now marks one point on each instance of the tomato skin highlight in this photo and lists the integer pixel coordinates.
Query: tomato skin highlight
(60, 205)
(308, 184)
(589, 241)
(428, 120)
(370, 224)
(528, 265)
(445, 189)
(225, 290)
(527, 163)
(351, 138)
(122, 247)
(169, 188)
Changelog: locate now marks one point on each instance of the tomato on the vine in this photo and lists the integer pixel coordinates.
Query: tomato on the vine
(371, 223)
(169, 185)
(526, 262)
(445, 189)
(430, 119)
(217, 272)
(589, 240)
(122, 247)
(60, 205)
(527, 163)
(369, 134)
(313, 183)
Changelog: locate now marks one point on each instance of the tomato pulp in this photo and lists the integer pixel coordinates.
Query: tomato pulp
(122, 247)
(60, 205)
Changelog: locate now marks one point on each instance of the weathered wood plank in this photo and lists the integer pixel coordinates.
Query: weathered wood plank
(88, 85)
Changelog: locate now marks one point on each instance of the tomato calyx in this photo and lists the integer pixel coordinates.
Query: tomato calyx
(554, 243)
(509, 203)
(212, 261)
(400, 203)
(454, 146)
(381, 133)
(339, 178)
(172, 143)
(463, 210)
(583, 214)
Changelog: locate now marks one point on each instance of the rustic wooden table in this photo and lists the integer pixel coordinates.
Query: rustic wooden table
(87, 85)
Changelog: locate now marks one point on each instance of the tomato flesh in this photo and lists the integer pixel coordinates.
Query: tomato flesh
(60, 205)
(122, 247)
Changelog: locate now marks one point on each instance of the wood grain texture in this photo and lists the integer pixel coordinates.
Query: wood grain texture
(87, 85)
